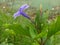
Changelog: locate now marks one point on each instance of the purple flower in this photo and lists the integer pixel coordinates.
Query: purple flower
(21, 11)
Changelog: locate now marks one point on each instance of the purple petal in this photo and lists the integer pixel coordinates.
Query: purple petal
(20, 11)
(16, 14)
(23, 7)
(25, 15)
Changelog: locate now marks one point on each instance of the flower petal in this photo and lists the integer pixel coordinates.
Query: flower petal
(23, 7)
(25, 15)
(16, 14)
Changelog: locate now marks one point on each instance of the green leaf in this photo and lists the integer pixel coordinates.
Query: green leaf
(35, 43)
(54, 27)
(41, 35)
(38, 21)
(41, 21)
(22, 40)
(18, 29)
(32, 31)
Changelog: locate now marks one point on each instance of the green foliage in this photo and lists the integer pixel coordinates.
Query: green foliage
(54, 27)
(22, 31)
